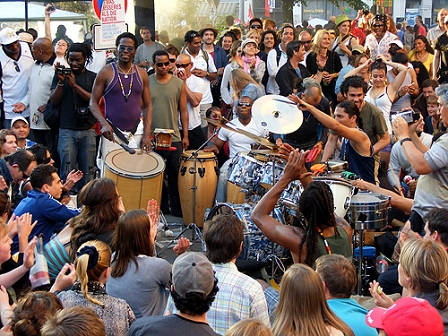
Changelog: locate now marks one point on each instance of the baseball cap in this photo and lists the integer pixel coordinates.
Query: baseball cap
(8, 36)
(18, 118)
(247, 41)
(398, 43)
(192, 273)
(407, 316)
(359, 48)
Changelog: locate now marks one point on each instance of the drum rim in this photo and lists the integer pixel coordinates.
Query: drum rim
(159, 169)
(201, 154)
(336, 180)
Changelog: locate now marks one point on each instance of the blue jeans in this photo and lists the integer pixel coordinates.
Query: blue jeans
(77, 150)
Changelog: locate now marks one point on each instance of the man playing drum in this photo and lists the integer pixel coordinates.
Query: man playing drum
(237, 142)
(125, 89)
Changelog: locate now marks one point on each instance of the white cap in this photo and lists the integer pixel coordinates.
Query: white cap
(18, 118)
(8, 36)
(398, 43)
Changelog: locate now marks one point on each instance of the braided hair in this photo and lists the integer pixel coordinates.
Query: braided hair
(316, 205)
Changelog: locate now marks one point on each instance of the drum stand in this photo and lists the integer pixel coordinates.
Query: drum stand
(194, 171)
(195, 230)
(360, 225)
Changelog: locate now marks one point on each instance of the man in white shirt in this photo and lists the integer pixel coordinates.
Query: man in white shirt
(16, 61)
(203, 67)
(438, 30)
(194, 87)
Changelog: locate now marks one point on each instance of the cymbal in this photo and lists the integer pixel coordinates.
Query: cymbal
(218, 123)
(266, 152)
(277, 113)
(258, 139)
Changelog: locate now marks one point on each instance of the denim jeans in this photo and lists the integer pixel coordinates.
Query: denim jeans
(77, 150)
(221, 191)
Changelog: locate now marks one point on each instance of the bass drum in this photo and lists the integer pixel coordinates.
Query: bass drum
(256, 245)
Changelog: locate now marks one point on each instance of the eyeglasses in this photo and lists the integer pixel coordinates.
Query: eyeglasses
(160, 64)
(25, 176)
(16, 66)
(183, 65)
(125, 48)
(255, 27)
(245, 104)
(377, 25)
(172, 60)
(47, 159)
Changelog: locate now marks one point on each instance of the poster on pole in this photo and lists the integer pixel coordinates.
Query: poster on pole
(112, 20)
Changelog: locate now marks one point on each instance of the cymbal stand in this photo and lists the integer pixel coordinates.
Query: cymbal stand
(194, 187)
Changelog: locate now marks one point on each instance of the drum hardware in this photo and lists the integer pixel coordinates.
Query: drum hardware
(125, 147)
(196, 231)
(277, 113)
(367, 211)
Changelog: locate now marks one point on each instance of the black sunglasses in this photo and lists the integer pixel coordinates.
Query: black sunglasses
(160, 64)
(378, 25)
(183, 65)
(124, 48)
(245, 104)
(172, 60)
(47, 159)
(16, 65)
(255, 27)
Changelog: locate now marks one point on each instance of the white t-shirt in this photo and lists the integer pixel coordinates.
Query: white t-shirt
(200, 63)
(239, 142)
(272, 67)
(195, 84)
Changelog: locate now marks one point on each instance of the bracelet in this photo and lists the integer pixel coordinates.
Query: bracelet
(404, 140)
(61, 84)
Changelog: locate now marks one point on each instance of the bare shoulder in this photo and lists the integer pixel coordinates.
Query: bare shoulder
(142, 72)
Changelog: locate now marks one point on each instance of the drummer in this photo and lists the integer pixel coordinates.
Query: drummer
(356, 147)
(237, 142)
(325, 233)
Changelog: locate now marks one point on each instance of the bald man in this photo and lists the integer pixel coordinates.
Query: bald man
(311, 134)
(194, 87)
(41, 76)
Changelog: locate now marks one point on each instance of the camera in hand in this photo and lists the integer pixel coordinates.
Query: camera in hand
(62, 70)
(409, 116)
(51, 8)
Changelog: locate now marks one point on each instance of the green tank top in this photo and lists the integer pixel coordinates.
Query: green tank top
(340, 244)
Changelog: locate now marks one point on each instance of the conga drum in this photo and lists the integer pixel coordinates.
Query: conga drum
(138, 177)
(234, 194)
(206, 182)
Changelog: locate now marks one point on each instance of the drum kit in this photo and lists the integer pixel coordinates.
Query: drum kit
(251, 175)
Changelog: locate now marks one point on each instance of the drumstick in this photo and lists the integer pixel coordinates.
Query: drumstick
(125, 147)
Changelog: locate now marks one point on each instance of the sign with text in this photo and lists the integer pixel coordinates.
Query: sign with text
(112, 20)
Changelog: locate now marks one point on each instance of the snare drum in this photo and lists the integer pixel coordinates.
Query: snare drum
(163, 137)
(138, 177)
(256, 245)
(206, 182)
(369, 210)
(245, 172)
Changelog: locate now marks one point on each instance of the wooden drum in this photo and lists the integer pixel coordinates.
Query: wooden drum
(206, 183)
(138, 177)
(163, 137)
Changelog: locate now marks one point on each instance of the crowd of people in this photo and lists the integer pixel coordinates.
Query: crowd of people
(371, 94)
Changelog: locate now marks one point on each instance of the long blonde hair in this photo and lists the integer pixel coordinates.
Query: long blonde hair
(92, 258)
(239, 80)
(426, 264)
(317, 39)
(302, 309)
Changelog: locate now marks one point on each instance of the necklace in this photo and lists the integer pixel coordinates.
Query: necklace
(126, 96)
(423, 58)
(126, 74)
(327, 247)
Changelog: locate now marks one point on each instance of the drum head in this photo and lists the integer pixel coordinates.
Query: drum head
(138, 165)
(201, 154)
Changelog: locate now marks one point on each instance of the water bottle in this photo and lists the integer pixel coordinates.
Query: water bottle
(381, 264)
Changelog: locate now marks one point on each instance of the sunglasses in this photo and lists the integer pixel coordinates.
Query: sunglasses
(172, 60)
(245, 104)
(47, 159)
(183, 65)
(124, 48)
(377, 25)
(160, 64)
(16, 66)
(25, 176)
(255, 27)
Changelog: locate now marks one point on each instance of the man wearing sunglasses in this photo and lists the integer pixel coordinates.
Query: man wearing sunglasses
(16, 62)
(256, 23)
(194, 87)
(169, 103)
(379, 40)
(238, 143)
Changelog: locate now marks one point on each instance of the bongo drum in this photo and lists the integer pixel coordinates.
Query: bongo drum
(206, 183)
(163, 137)
(138, 177)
